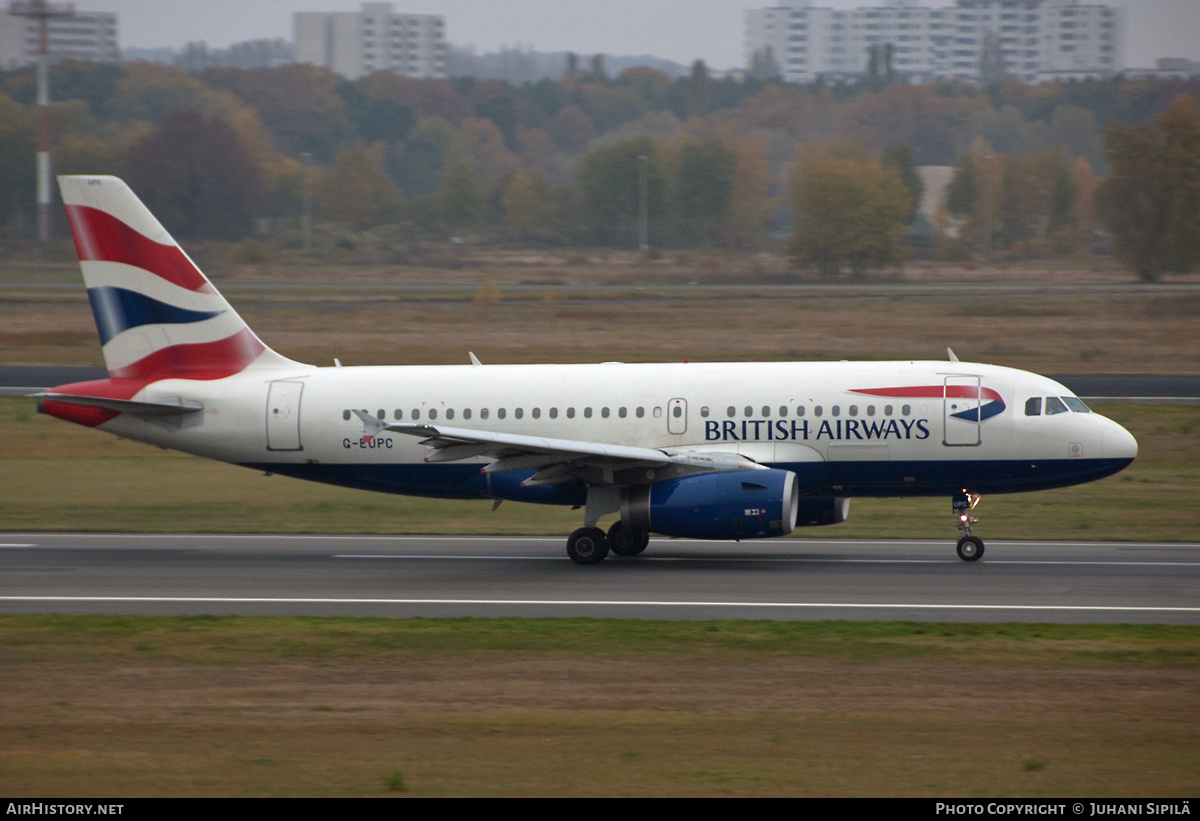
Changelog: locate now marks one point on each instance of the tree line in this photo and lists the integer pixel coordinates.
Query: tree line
(729, 164)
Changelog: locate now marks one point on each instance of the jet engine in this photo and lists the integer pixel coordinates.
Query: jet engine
(738, 504)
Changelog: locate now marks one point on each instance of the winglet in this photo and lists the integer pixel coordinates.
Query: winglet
(474, 359)
(951, 355)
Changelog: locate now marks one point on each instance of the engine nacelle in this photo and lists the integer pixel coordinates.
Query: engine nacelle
(822, 510)
(738, 504)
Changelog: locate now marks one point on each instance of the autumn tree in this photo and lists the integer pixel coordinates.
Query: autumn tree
(356, 191)
(850, 213)
(196, 177)
(528, 206)
(752, 202)
(459, 198)
(609, 189)
(17, 148)
(1150, 201)
(900, 157)
(703, 188)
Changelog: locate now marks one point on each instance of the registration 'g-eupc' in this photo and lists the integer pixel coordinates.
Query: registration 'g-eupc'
(708, 451)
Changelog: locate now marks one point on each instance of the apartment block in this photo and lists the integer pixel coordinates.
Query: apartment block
(376, 38)
(1033, 40)
(85, 35)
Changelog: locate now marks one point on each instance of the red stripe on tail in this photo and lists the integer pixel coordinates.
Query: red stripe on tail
(101, 236)
(202, 360)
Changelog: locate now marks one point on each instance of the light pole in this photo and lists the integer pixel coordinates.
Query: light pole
(42, 11)
(306, 217)
(643, 226)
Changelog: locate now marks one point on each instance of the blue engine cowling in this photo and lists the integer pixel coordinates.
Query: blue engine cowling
(739, 504)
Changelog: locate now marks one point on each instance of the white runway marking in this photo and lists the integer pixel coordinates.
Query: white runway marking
(758, 559)
(595, 603)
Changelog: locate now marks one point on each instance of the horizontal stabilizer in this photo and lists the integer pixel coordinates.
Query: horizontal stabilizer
(171, 406)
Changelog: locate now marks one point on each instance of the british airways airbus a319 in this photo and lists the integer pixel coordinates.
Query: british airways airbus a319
(707, 451)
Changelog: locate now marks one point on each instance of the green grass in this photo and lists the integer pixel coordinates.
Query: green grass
(56, 476)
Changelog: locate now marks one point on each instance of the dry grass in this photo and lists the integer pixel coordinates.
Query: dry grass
(243, 707)
(352, 315)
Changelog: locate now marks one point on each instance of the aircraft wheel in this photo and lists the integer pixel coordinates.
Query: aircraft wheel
(625, 541)
(970, 548)
(587, 545)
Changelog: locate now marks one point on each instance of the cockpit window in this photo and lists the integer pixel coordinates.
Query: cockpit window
(1076, 404)
(1054, 405)
(1033, 406)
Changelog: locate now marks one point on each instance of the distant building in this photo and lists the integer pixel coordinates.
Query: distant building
(1032, 40)
(375, 39)
(1173, 68)
(197, 56)
(86, 35)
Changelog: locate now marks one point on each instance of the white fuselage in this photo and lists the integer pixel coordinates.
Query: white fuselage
(845, 428)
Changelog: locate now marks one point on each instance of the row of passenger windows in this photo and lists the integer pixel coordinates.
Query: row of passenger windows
(799, 410)
(416, 414)
(1055, 404)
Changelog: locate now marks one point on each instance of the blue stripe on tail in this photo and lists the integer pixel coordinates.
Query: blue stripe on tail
(118, 309)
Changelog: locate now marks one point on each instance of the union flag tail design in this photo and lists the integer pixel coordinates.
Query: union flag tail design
(158, 316)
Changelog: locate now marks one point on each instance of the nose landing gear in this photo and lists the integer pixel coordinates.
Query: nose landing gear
(970, 548)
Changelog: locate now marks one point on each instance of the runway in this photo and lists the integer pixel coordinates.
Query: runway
(786, 579)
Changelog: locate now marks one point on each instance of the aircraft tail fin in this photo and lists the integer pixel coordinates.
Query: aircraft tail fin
(157, 314)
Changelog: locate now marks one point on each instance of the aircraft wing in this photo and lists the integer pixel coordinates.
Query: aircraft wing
(555, 460)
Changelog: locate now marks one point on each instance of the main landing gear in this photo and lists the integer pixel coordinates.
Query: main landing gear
(970, 548)
(590, 545)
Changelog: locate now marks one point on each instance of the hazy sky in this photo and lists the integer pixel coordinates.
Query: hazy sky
(680, 30)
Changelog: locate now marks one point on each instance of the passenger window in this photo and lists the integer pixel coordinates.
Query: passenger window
(854, 410)
(766, 411)
(450, 413)
(906, 410)
(641, 412)
(731, 411)
(783, 410)
(622, 413)
(604, 412)
(870, 410)
(658, 412)
(817, 410)
(1033, 406)
(887, 410)
(537, 413)
(433, 413)
(837, 411)
(500, 413)
(587, 413)
(570, 413)
(1054, 405)
(677, 411)
(749, 411)
(483, 413)
(704, 412)
(554, 413)
(800, 410)
(380, 415)
(416, 414)
(397, 414)
(466, 413)
(346, 414)
(519, 412)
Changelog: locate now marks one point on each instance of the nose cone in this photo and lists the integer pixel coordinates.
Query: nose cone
(1118, 443)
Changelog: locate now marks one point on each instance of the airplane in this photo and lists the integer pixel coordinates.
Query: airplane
(726, 451)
